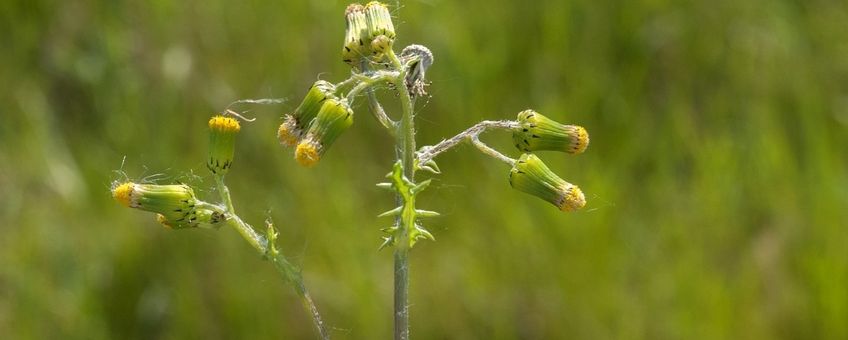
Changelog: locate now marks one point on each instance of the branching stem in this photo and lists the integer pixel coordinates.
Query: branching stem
(289, 271)
(366, 84)
(472, 134)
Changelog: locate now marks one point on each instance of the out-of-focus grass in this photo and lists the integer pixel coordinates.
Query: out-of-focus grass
(717, 175)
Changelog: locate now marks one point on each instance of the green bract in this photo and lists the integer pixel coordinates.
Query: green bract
(333, 119)
(357, 44)
(295, 124)
(531, 175)
(379, 20)
(222, 141)
(175, 202)
(537, 132)
(204, 218)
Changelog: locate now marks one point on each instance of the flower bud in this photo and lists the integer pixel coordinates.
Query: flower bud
(333, 119)
(357, 44)
(379, 20)
(532, 176)
(295, 124)
(381, 44)
(537, 132)
(205, 218)
(222, 142)
(175, 202)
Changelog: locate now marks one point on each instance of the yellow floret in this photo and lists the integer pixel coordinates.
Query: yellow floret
(123, 193)
(581, 142)
(287, 133)
(573, 199)
(307, 153)
(224, 124)
(354, 7)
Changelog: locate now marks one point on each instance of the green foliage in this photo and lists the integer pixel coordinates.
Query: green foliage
(716, 180)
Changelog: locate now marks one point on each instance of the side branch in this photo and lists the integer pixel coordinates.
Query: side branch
(367, 81)
(264, 247)
(427, 153)
(365, 84)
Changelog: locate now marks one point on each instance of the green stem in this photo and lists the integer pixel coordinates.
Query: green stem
(406, 153)
(366, 84)
(289, 271)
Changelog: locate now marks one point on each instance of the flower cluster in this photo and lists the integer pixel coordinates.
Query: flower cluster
(323, 116)
(535, 132)
(175, 205)
(369, 32)
(316, 123)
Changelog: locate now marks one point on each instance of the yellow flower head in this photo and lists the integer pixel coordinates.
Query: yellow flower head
(122, 193)
(573, 199)
(332, 120)
(224, 124)
(288, 133)
(307, 153)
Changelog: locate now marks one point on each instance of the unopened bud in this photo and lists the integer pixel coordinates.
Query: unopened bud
(381, 44)
(357, 44)
(175, 202)
(537, 132)
(222, 143)
(531, 175)
(379, 20)
(205, 218)
(333, 119)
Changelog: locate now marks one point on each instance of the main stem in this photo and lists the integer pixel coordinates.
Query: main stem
(406, 154)
(289, 272)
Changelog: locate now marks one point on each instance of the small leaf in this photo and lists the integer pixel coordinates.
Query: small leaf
(393, 212)
(423, 232)
(420, 187)
(432, 164)
(386, 242)
(426, 213)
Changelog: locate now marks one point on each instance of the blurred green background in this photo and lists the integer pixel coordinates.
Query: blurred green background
(717, 175)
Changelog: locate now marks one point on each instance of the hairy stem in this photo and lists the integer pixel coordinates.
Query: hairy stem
(489, 151)
(289, 271)
(427, 153)
(406, 154)
(366, 84)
